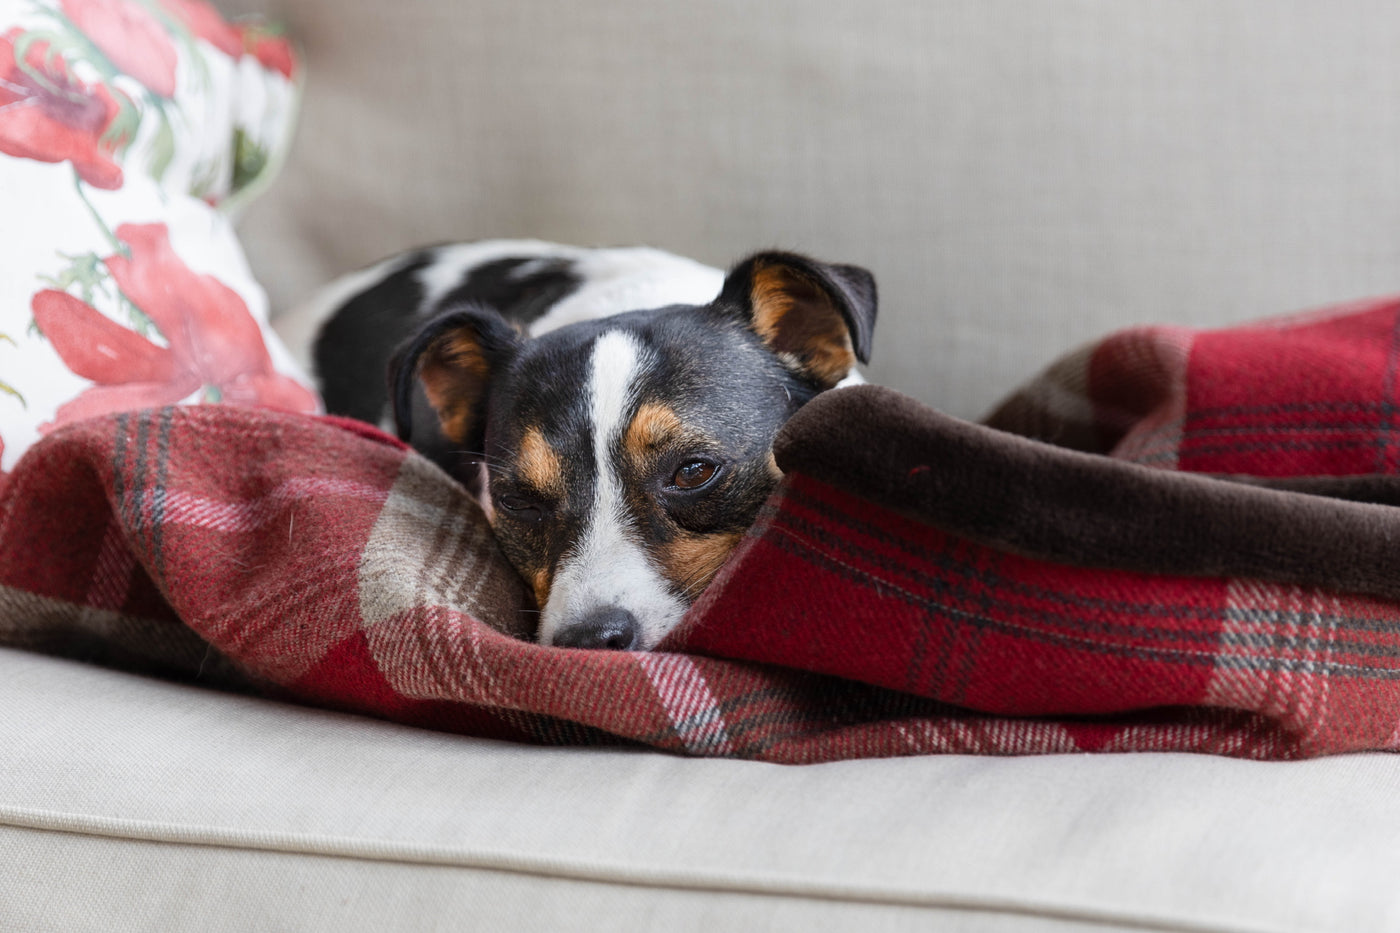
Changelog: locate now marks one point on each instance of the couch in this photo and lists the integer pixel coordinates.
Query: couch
(1020, 178)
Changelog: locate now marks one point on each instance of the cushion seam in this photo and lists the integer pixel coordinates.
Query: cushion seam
(391, 851)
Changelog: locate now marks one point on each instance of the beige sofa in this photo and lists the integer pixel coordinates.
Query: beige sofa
(1019, 177)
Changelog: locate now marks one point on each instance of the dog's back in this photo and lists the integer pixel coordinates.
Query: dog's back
(345, 335)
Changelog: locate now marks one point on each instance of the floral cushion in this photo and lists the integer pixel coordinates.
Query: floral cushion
(128, 131)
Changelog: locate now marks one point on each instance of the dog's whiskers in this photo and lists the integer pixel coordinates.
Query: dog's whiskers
(480, 459)
(695, 583)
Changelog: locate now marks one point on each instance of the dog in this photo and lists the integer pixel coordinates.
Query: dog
(613, 410)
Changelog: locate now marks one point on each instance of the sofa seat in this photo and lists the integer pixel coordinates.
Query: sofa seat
(134, 804)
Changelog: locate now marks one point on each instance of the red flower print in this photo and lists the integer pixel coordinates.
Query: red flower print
(130, 371)
(131, 38)
(202, 19)
(213, 342)
(272, 51)
(55, 117)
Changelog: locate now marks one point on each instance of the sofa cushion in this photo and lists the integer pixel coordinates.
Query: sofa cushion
(128, 803)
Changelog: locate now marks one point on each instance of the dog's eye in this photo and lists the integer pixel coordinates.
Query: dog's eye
(521, 508)
(693, 474)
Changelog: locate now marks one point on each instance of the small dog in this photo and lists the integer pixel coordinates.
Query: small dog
(613, 410)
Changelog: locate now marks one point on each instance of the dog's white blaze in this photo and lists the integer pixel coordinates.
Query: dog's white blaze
(609, 567)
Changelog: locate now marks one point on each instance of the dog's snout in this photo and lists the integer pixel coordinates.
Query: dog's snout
(610, 627)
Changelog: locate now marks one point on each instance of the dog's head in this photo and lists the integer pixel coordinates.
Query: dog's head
(621, 460)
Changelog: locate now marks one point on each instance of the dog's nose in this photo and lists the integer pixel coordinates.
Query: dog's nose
(610, 627)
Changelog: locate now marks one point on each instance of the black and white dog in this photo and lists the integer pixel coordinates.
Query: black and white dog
(613, 409)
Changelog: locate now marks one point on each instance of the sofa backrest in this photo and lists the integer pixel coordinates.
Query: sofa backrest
(1019, 176)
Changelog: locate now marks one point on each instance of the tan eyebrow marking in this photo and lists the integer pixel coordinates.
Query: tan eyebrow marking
(539, 465)
(652, 426)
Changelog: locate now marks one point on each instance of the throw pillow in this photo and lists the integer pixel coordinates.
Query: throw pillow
(128, 130)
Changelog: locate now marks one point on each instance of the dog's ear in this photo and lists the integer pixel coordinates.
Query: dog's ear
(817, 317)
(454, 357)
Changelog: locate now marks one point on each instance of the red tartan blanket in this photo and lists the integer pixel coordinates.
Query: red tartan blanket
(918, 584)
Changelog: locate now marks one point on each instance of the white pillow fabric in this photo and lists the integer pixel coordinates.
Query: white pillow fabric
(127, 127)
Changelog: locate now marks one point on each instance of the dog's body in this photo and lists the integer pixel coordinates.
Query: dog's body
(614, 410)
(346, 334)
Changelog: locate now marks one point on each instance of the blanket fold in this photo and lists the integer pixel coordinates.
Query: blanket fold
(1204, 560)
(1014, 494)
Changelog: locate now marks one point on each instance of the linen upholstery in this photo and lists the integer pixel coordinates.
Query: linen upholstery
(159, 807)
(1020, 177)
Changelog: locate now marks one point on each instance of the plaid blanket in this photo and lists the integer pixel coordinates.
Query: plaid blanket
(1170, 540)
